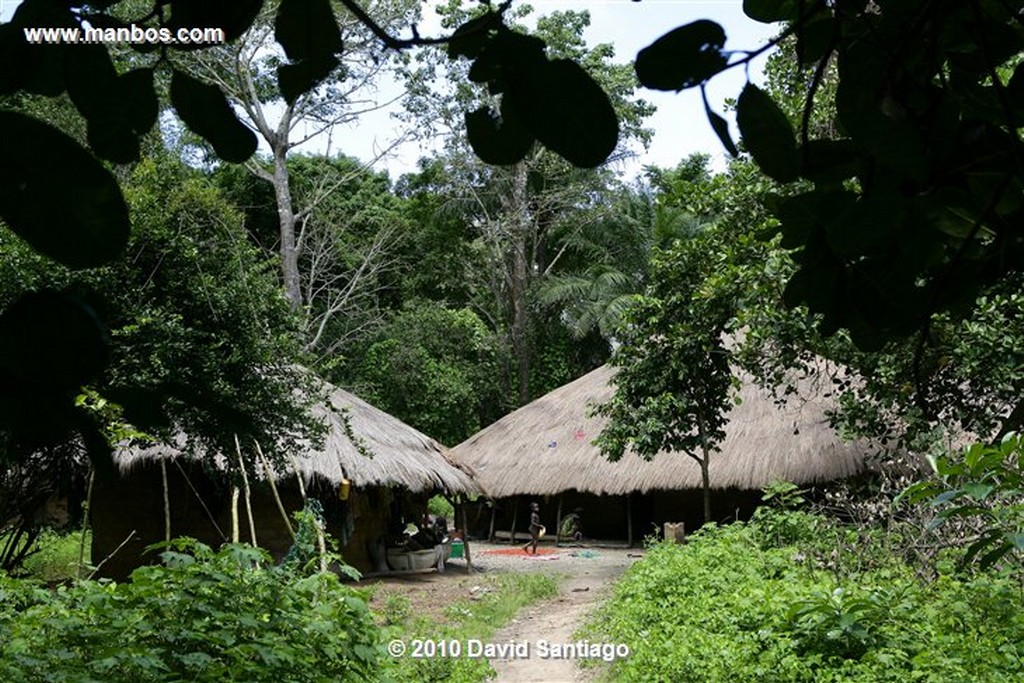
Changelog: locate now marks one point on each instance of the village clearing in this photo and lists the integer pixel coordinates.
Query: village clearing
(585, 577)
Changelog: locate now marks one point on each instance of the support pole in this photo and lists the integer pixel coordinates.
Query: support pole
(167, 502)
(465, 540)
(629, 519)
(85, 525)
(515, 514)
(273, 489)
(248, 494)
(234, 514)
(494, 513)
(558, 520)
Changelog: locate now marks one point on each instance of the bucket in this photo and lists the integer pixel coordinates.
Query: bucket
(456, 549)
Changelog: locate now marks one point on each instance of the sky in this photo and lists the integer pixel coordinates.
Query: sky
(680, 126)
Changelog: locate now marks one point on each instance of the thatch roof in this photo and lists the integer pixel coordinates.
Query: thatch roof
(400, 455)
(546, 447)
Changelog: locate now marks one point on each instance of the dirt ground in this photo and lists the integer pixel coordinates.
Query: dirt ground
(587, 573)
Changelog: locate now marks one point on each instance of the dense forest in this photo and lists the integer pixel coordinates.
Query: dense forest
(175, 264)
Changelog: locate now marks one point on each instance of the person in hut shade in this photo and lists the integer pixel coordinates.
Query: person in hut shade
(536, 529)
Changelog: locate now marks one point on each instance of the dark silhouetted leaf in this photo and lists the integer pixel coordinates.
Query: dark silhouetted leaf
(770, 11)
(721, 128)
(814, 39)
(295, 79)
(56, 196)
(767, 134)
(508, 55)
(139, 99)
(470, 39)
(51, 339)
(497, 142)
(682, 58)
(828, 161)
(307, 29)
(206, 112)
(233, 16)
(568, 112)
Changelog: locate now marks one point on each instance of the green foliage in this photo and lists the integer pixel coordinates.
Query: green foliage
(205, 616)
(55, 558)
(435, 368)
(898, 216)
(440, 507)
(984, 483)
(202, 339)
(724, 607)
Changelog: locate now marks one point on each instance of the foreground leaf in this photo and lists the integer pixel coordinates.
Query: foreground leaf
(56, 196)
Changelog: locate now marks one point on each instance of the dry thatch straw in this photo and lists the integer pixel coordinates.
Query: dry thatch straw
(373, 449)
(545, 447)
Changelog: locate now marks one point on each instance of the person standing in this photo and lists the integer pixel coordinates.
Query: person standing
(536, 528)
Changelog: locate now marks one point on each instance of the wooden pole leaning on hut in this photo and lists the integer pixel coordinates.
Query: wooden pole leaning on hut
(234, 514)
(273, 489)
(85, 525)
(167, 502)
(248, 496)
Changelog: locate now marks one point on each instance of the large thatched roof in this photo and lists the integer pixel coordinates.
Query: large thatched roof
(399, 455)
(546, 447)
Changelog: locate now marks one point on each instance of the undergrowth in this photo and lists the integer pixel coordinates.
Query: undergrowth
(774, 601)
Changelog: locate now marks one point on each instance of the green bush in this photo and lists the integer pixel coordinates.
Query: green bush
(56, 556)
(729, 607)
(204, 616)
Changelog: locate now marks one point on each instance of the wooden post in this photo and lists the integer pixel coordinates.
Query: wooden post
(494, 512)
(248, 496)
(465, 540)
(234, 514)
(273, 489)
(167, 502)
(85, 525)
(558, 520)
(629, 519)
(515, 513)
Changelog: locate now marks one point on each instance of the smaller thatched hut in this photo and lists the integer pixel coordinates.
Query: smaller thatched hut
(362, 496)
(545, 450)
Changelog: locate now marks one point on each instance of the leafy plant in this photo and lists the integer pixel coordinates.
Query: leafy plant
(985, 484)
(204, 616)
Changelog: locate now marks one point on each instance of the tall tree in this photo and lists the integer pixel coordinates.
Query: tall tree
(516, 208)
(286, 119)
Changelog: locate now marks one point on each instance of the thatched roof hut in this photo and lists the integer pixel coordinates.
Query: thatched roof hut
(546, 447)
(364, 445)
(391, 469)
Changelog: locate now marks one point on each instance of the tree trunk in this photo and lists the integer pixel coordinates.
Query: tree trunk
(286, 222)
(520, 281)
(705, 475)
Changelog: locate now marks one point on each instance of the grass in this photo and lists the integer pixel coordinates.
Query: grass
(501, 596)
(56, 557)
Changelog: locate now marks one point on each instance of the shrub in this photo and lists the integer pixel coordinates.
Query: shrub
(728, 607)
(204, 616)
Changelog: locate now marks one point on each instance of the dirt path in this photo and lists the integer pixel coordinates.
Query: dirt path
(587, 582)
(587, 575)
